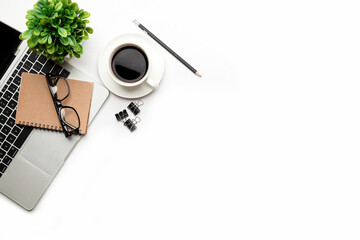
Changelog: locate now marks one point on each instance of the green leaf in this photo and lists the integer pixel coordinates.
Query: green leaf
(41, 4)
(42, 17)
(67, 28)
(37, 9)
(50, 6)
(86, 36)
(89, 30)
(68, 21)
(81, 24)
(81, 49)
(61, 59)
(30, 24)
(60, 51)
(43, 40)
(74, 6)
(36, 21)
(72, 41)
(49, 39)
(43, 33)
(69, 16)
(37, 31)
(44, 21)
(76, 54)
(53, 24)
(48, 30)
(62, 32)
(64, 41)
(55, 15)
(77, 48)
(84, 15)
(31, 12)
(26, 34)
(29, 17)
(58, 6)
(32, 42)
(49, 45)
(51, 50)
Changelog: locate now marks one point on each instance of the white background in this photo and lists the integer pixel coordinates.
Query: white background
(264, 146)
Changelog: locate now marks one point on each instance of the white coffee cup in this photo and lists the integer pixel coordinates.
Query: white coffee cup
(116, 75)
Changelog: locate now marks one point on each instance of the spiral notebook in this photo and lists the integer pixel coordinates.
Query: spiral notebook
(36, 107)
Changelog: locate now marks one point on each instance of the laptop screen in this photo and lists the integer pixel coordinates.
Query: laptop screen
(9, 42)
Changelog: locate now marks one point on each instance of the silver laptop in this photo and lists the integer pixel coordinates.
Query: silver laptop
(29, 157)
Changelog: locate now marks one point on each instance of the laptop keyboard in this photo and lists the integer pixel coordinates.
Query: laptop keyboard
(13, 136)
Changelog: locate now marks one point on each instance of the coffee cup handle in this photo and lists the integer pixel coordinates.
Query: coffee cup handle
(152, 83)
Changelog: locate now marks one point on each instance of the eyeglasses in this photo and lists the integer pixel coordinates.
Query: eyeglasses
(68, 116)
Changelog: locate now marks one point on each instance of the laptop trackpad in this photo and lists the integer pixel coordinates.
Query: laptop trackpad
(24, 183)
(48, 149)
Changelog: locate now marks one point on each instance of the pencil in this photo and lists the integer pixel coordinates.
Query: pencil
(167, 48)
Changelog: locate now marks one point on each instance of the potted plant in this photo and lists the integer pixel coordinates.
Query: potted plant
(56, 28)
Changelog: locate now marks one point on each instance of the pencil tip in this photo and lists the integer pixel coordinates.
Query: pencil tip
(198, 74)
(136, 22)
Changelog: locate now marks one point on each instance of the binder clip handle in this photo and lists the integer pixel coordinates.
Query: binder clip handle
(136, 120)
(140, 103)
(131, 123)
(134, 107)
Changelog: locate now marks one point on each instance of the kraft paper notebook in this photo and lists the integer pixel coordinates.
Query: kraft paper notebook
(36, 107)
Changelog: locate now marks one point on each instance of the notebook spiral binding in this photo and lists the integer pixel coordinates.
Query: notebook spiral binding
(41, 126)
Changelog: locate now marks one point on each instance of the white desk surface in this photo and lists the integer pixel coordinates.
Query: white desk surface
(264, 146)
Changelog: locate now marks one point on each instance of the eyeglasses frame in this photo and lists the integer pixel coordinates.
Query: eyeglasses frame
(58, 105)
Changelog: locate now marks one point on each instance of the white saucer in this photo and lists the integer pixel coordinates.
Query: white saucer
(156, 71)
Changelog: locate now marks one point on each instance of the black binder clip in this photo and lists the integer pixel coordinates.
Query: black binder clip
(134, 107)
(122, 115)
(131, 124)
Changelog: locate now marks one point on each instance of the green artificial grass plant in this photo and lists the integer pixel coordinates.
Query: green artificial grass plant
(56, 28)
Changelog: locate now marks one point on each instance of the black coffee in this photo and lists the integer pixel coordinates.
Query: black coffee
(129, 64)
